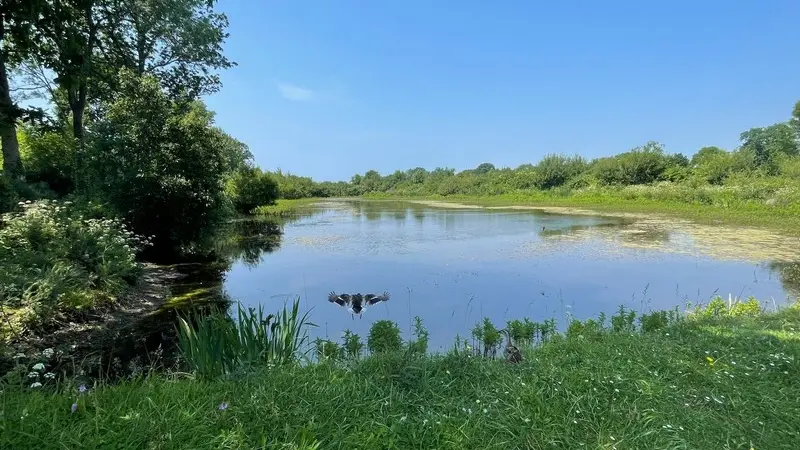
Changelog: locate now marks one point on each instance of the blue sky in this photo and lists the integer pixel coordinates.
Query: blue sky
(330, 88)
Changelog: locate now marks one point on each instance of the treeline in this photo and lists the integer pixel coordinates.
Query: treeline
(765, 153)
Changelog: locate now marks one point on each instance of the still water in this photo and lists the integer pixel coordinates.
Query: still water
(454, 266)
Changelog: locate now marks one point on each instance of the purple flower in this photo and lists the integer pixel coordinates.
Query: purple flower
(223, 406)
(74, 407)
(82, 388)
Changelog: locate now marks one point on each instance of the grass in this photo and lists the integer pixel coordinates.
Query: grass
(785, 219)
(284, 207)
(718, 380)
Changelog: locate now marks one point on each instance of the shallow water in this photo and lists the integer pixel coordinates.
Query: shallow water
(454, 266)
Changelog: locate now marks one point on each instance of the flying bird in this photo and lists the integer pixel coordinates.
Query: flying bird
(357, 303)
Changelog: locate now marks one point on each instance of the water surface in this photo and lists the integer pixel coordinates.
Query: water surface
(453, 267)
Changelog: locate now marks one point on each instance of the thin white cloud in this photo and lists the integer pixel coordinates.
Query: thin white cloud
(295, 93)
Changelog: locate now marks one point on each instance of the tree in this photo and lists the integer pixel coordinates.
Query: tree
(157, 162)
(768, 143)
(178, 41)
(16, 21)
(250, 188)
(706, 154)
(484, 168)
(796, 119)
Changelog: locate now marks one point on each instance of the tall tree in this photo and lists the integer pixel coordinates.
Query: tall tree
(16, 20)
(178, 41)
(68, 34)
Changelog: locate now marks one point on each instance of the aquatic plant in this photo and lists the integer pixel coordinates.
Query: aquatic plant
(214, 344)
(327, 350)
(489, 336)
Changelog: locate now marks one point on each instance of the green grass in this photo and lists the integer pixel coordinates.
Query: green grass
(785, 219)
(285, 207)
(709, 382)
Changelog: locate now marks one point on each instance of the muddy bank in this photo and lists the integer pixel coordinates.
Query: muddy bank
(133, 335)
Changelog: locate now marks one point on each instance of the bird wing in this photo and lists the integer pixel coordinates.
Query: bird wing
(332, 297)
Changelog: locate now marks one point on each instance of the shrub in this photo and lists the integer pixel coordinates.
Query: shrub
(48, 157)
(159, 164)
(52, 258)
(554, 170)
(251, 188)
(384, 336)
(420, 343)
(641, 165)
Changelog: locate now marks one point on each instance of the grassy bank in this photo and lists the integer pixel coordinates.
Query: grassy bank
(783, 218)
(284, 207)
(715, 381)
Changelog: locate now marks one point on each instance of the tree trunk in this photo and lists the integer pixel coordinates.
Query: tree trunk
(12, 164)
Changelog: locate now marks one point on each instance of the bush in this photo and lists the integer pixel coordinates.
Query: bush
(48, 157)
(641, 165)
(384, 336)
(52, 258)
(251, 188)
(555, 170)
(159, 164)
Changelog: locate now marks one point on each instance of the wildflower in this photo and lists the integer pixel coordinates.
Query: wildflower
(223, 406)
(39, 367)
(403, 419)
(477, 401)
(19, 356)
(49, 375)
(485, 410)
(33, 375)
(74, 408)
(82, 388)
(36, 385)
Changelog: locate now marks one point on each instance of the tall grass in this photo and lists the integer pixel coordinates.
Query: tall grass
(214, 344)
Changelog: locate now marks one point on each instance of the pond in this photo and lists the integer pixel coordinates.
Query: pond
(452, 266)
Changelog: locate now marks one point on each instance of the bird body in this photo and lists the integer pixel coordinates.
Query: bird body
(357, 303)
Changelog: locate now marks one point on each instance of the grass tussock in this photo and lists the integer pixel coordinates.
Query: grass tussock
(723, 376)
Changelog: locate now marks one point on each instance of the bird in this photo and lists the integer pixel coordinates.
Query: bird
(513, 355)
(357, 303)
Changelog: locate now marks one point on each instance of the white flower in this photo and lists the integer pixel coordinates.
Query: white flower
(49, 375)
(39, 367)
(47, 353)
(33, 375)
(19, 355)
(36, 385)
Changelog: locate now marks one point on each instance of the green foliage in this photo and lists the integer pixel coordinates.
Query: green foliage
(213, 344)
(352, 345)
(54, 256)
(384, 337)
(624, 320)
(641, 165)
(157, 164)
(488, 336)
(768, 144)
(250, 188)
(48, 157)
(419, 345)
(8, 195)
(555, 170)
(327, 350)
(718, 308)
(568, 392)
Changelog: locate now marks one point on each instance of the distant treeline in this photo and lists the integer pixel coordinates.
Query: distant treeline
(767, 152)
